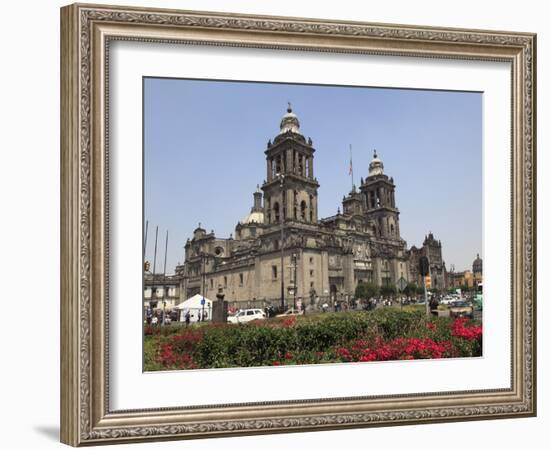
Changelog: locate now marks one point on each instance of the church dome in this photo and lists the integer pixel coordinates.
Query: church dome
(253, 217)
(290, 122)
(376, 166)
(477, 265)
(199, 232)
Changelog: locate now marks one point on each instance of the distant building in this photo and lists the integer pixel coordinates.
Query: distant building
(161, 291)
(431, 248)
(477, 265)
(282, 236)
(467, 278)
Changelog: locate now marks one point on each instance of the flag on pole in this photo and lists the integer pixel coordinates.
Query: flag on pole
(351, 167)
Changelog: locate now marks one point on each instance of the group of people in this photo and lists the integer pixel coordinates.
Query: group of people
(202, 316)
(159, 317)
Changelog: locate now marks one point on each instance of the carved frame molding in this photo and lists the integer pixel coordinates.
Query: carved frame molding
(86, 31)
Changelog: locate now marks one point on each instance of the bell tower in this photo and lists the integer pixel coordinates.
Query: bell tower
(378, 192)
(290, 189)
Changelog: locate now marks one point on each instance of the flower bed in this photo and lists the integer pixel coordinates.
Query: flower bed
(381, 335)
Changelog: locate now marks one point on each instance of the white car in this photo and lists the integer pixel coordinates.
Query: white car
(447, 300)
(291, 312)
(247, 315)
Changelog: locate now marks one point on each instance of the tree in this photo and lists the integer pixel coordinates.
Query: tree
(366, 290)
(388, 290)
(411, 289)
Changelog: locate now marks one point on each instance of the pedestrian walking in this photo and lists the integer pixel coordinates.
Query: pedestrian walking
(187, 318)
(433, 305)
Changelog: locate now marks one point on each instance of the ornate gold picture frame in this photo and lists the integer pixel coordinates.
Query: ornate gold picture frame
(87, 32)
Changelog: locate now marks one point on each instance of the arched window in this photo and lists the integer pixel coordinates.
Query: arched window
(392, 228)
(273, 168)
(276, 211)
(303, 208)
(278, 166)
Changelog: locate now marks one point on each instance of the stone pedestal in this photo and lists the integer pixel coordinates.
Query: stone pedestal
(219, 308)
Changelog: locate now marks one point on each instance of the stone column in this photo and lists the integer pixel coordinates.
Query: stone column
(324, 275)
(314, 208)
(256, 281)
(349, 282)
(290, 161)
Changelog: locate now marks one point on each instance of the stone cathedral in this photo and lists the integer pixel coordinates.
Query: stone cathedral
(282, 236)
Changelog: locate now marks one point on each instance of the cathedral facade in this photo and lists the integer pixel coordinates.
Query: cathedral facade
(283, 249)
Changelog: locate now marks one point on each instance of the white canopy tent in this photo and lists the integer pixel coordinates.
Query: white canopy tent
(195, 307)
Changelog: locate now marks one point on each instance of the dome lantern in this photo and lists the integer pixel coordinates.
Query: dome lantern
(289, 122)
(376, 166)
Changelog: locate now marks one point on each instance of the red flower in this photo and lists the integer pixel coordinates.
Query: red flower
(396, 349)
(288, 355)
(289, 322)
(368, 356)
(276, 363)
(431, 326)
(344, 354)
(460, 329)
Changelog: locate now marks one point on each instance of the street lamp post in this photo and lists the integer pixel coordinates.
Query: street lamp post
(282, 218)
(203, 283)
(295, 278)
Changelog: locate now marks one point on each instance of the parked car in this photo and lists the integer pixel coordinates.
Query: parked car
(447, 300)
(461, 309)
(247, 315)
(291, 312)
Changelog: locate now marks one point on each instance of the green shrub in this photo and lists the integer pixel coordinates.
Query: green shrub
(310, 339)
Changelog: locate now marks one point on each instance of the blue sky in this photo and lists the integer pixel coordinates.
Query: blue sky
(204, 145)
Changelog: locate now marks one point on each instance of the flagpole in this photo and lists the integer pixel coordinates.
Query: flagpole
(165, 286)
(155, 253)
(351, 166)
(145, 240)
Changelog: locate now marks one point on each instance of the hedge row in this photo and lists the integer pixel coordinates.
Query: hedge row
(308, 340)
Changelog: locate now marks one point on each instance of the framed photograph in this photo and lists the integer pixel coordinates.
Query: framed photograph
(276, 224)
